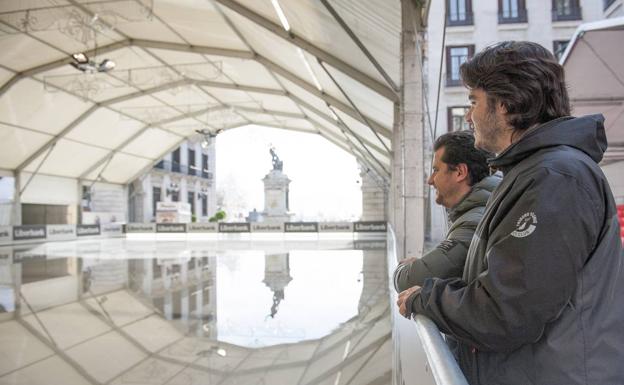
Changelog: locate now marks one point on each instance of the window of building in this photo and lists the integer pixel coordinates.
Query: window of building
(191, 201)
(455, 57)
(457, 118)
(566, 10)
(205, 165)
(156, 191)
(459, 12)
(175, 160)
(511, 11)
(559, 47)
(191, 162)
(175, 196)
(607, 3)
(204, 203)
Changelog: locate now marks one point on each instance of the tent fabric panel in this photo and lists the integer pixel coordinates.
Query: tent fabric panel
(106, 128)
(28, 104)
(296, 123)
(152, 143)
(366, 100)
(602, 83)
(275, 102)
(5, 75)
(67, 43)
(312, 21)
(184, 127)
(246, 72)
(21, 52)
(18, 144)
(258, 118)
(185, 19)
(268, 45)
(362, 130)
(377, 24)
(186, 96)
(304, 95)
(150, 29)
(122, 167)
(233, 97)
(67, 159)
(48, 189)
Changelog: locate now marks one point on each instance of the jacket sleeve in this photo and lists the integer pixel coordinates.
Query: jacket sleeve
(531, 265)
(446, 260)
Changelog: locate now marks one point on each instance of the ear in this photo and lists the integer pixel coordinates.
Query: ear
(500, 107)
(462, 173)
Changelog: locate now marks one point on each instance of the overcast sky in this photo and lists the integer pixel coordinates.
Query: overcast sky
(325, 179)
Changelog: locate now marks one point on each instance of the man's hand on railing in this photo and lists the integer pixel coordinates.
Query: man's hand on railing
(403, 301)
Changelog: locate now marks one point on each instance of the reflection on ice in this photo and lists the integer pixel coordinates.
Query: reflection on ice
(119, 311)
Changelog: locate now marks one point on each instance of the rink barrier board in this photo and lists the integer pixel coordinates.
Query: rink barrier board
(48, 233)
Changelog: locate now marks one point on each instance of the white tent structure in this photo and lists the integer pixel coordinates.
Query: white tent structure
(598, 46)
(328, 68)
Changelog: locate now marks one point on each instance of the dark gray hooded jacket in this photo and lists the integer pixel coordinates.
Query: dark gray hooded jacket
(447, 259)
(542, 294)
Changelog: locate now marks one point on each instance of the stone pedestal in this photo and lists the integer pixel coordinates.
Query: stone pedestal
(276, 197)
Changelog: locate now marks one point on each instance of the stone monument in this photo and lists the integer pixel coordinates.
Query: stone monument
(276, 192)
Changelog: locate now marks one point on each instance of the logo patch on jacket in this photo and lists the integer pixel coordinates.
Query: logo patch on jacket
(525, 225)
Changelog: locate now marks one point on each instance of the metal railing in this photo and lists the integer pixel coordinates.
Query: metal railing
(428, 363)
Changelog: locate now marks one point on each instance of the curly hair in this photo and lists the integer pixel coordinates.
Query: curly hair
(525, 77)
(459, 147)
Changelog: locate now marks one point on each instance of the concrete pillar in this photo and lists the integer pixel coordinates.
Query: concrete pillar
(16, 208)
(374, 196)
(410, 181)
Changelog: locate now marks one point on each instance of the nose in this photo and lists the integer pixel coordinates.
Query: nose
(430, 180)
(468, 116)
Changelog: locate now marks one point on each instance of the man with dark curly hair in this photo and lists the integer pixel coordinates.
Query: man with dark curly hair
(540, 299)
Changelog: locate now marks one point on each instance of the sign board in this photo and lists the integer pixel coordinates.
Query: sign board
(111, 230)
(234, 227)
(139, 228)
(370, 227)
(170, 228)
(87, 230)
(301, 227)
(28, 232)
(61, 232)
(210, 227)
(336, 227)
(267, 227)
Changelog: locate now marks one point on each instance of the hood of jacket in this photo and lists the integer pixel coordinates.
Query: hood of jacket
(478, 196)
(585, 133)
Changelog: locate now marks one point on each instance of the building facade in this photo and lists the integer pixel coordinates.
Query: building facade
(187, 174)
(472, 25)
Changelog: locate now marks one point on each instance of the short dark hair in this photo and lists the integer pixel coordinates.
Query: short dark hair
(459, 147)
(525, 77)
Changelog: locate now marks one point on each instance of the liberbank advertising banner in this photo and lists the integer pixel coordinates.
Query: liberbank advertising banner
(42, 233)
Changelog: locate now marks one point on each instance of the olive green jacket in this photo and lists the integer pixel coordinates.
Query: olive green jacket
(447, 259)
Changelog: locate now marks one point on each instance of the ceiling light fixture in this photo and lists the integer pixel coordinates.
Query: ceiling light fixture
(82, 62)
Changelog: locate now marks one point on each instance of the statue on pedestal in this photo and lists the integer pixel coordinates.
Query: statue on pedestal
(277, 163)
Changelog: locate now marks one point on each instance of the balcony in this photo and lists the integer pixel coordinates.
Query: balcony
(507, 17)
(566, 14)
(457, 19)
